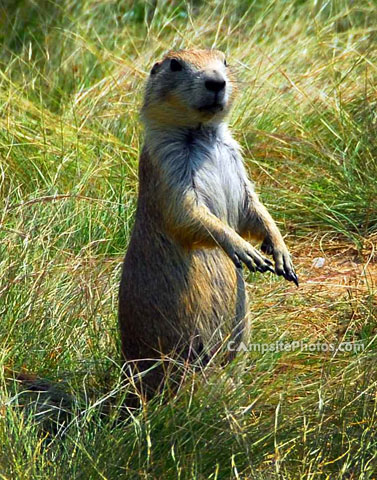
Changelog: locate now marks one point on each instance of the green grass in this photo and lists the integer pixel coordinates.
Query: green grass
(71, 80)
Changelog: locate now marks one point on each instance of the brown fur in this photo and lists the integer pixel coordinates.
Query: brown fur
(181, 293)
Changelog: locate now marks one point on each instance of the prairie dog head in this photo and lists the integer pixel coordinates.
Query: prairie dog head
(188, 88)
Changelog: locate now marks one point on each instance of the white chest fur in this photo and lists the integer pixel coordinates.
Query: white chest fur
(208, 161)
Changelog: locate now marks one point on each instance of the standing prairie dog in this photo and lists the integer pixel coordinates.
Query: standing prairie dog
(182, 291)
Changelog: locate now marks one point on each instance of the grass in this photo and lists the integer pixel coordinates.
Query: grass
(71, 78)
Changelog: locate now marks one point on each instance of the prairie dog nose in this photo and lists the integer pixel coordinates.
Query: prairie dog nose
(215, 84)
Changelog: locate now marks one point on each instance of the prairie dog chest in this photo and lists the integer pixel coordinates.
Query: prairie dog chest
(219, 177)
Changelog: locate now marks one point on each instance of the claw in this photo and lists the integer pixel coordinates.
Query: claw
(251, 266)
(266, 267)
(291, 277)
(295, 279)
(237, 261)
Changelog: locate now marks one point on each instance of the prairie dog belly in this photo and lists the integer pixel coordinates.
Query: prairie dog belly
(181, 298)
(215, 298)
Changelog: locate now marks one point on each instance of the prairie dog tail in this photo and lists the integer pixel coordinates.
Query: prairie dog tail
(48, 401)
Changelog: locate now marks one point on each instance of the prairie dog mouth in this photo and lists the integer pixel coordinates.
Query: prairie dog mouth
(211, 108)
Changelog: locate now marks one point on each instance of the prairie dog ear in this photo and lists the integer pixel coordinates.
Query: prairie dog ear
(155, 68)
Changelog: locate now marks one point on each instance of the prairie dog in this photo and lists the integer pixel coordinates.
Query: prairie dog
(182, 291)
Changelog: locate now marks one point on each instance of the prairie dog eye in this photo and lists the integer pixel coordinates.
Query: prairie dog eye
(175, 66)
(225, 62)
